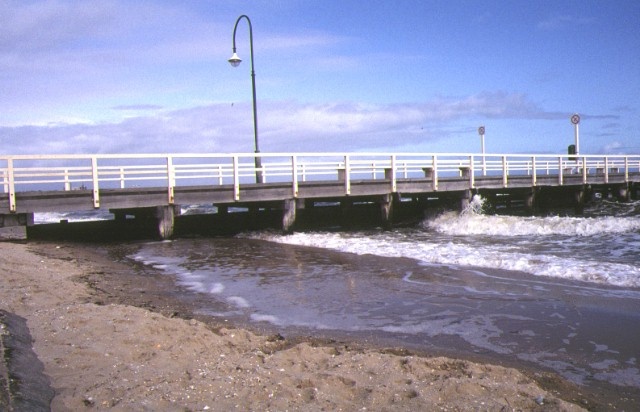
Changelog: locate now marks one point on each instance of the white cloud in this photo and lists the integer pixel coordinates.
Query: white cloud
(283, 126)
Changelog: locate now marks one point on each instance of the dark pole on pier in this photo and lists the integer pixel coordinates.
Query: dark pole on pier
(235, 62)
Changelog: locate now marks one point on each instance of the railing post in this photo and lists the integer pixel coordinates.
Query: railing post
(171, 180)
(261, 172)
(505, 174)
(95, 178)
(67, 183)
(560, 177)
(606, 169)
(122, 178)
(394, 186)
(472, 178)
(236, 179)
(5, 183)
(534, 178)
(435, 173)
(294, 174)
(585, 169)
(12, 186)
(626, 169)
(347, 178)
(484, 165)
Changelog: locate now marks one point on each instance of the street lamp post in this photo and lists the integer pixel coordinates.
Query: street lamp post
(235, 62)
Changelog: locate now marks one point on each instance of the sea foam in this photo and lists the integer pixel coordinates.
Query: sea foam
(455, 224)
(474, 239)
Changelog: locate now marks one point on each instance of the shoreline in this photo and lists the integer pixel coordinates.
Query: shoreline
(110, 338)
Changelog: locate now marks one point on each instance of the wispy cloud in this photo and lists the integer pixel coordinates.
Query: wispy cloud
(137, 107)
(51, 25)
(300, 41)
(283, 126)
(559, 22)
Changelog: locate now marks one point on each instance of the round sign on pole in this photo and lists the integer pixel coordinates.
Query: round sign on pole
(575, 119)
(481, 130)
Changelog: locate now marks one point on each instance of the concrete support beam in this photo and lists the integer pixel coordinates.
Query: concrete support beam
(386, 205)
(165, 218)
(530, 202)
(14, 226)
(465, 199)
(580, 199)
(162, 217)
(16, 219)
(623, 193)
(289, 209)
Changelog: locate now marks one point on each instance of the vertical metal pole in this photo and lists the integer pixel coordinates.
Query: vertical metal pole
(575, 120)
(257, 160)
(577, 137)
(484, 161)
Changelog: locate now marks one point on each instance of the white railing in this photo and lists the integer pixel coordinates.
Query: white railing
(22, 173)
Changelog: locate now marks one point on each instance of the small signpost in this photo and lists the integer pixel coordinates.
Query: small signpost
(484, 163)
(575, 120)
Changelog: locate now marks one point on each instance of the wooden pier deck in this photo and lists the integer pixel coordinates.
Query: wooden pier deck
(155, 185)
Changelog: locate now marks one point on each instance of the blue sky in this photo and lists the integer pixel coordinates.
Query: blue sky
(331, 75)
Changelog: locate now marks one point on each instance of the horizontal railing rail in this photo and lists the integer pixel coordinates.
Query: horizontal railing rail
(23, 173)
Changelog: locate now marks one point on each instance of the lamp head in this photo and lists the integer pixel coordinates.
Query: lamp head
(235, 60)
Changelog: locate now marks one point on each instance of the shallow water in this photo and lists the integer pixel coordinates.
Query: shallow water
(587, 332)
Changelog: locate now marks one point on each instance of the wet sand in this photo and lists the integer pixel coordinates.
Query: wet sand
(112, 339)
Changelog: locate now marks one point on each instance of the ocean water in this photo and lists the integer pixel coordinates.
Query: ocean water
(559, 293)
(600, 248)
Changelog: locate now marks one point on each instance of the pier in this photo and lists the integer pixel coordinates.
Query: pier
(288, 189)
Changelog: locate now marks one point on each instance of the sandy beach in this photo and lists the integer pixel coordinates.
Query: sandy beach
(121, 346)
